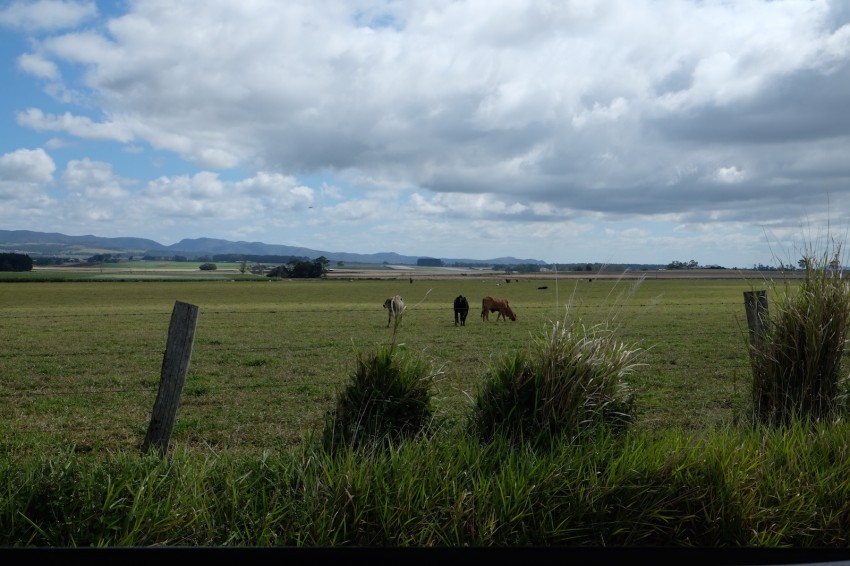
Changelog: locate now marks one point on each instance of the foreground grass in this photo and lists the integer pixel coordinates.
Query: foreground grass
(788, 487)
(80, 364)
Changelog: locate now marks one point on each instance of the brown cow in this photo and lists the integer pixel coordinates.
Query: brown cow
(489, 304)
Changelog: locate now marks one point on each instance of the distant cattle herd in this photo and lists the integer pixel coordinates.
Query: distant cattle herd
(395, 308)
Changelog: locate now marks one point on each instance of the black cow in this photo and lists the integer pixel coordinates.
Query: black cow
(461, 310)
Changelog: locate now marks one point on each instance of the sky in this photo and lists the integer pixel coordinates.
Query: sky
(569, 131)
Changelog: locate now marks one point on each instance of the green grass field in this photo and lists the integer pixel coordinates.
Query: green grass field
(80, 361)
(80, 369)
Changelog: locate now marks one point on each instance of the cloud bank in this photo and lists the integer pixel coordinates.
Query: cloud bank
(619, 131)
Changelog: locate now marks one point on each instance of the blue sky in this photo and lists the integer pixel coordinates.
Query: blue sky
(617, 131)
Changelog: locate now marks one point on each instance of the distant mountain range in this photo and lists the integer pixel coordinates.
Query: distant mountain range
(53, 244)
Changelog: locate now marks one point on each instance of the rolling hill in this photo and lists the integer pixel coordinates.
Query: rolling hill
(55, 244)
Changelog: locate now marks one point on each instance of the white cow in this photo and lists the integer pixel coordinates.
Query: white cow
(395, 307)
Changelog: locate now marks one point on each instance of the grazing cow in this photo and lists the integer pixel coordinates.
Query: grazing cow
(489, 304)
(461, 310)
(395, 308)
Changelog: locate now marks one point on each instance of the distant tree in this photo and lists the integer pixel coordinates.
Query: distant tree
(208, 267)
(243, 266)
(52, 260)
(279, 272)
(693, 264)
(527, 268)
(835, 264)
(179, 258)
(429, 262)
(100, 258)
(340, 264)
(308, 269)
(300, 269)
(15, 262)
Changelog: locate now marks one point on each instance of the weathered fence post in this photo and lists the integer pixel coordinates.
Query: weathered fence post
(755, 303)
(175, 366)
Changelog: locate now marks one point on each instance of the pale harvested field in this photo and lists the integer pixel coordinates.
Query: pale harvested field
(424, 273)
(402, 272)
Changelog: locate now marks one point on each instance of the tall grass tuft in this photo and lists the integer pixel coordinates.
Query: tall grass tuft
(389, 397)
(570, 380)
(796, 363)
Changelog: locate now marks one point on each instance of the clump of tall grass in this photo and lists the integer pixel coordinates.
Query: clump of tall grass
(389, 397)
(796, 360)
(569, 380)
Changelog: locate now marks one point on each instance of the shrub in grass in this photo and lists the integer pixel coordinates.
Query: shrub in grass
(388, 398)
(796, 362)
(570, 380)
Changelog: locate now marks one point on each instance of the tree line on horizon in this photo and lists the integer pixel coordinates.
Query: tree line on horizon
(298, 266)
(15, 262)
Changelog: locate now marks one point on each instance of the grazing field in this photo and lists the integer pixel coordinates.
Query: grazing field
(80, 361)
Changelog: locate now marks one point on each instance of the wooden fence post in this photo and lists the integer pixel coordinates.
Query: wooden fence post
(755, 303)
(175, 366)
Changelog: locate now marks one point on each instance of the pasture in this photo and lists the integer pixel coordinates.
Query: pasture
(80, 361)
